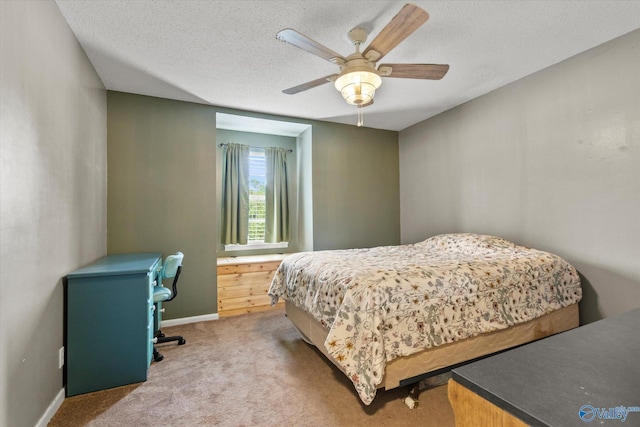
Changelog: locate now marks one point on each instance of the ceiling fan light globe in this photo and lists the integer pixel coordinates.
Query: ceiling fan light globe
(358, 93)
(358, 87)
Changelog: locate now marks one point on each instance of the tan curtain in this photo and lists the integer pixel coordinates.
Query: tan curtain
(277, 227)
(235, 194)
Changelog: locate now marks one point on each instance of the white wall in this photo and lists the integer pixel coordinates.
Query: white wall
(52, 196)
(304, 166)
(551, 161)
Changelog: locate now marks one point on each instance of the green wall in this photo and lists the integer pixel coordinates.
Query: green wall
(356, 180)
(162, 183)
(161, 189)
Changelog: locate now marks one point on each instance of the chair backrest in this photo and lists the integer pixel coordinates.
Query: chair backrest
(171, 265)
(172, 268)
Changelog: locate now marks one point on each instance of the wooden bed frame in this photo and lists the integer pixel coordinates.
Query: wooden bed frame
(411, 369)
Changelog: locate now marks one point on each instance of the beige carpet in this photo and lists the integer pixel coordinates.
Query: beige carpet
(250, 370)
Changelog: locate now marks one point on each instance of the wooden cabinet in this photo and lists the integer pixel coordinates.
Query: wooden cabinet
(109, 322)
(243, 283)
(472, 410)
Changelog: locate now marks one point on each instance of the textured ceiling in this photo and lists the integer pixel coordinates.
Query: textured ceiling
(225, 52)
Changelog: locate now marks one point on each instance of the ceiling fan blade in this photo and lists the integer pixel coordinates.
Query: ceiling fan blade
(305, 43)
(399, 28)
(309, 85)
(415, 71)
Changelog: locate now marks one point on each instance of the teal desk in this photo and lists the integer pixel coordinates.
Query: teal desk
(109, 322)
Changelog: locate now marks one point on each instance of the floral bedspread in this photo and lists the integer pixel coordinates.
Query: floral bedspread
(391, 301)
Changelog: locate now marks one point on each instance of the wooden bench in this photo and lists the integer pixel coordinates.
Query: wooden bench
(243, 283)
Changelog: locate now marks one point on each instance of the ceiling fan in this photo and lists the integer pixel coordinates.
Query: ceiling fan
(358, 77)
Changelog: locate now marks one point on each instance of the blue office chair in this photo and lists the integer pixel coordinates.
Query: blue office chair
(172, 268)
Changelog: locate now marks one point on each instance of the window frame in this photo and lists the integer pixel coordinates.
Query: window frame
(255, 244)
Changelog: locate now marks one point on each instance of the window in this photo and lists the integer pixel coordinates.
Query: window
(246, 188)
(257, 192)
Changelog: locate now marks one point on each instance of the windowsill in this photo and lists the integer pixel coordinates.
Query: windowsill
(254, 246)
(249, 259)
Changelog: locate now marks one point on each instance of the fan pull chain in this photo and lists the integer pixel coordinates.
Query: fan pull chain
(360, 122)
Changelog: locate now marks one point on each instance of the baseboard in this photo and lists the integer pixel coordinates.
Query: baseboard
(185, 320)
(52, 409)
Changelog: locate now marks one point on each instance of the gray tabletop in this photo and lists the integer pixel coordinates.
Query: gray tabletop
(589, 375)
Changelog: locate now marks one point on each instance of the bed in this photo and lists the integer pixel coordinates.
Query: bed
(389, 315)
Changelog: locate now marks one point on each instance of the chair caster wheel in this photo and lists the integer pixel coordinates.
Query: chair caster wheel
(182, 341)
(411, 402)
(157, 357)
